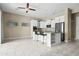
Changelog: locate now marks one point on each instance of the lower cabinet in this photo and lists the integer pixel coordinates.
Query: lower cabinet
(57, 38)
(34, 36)
(53, 39)
(42, 38)
(48, 39)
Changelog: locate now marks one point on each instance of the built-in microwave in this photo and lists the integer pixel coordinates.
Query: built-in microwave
(48, 26)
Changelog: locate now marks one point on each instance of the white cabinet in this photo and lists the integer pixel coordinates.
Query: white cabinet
(40, 38)
(59, 19)
(57, 38)
(53, 23)
(62, 19)
(33, 23)
(49, 39)
(48, 22)
(42, 24)
(34, 36)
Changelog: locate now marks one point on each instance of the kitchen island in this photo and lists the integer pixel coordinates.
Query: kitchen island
(47, 36)
(50, 39)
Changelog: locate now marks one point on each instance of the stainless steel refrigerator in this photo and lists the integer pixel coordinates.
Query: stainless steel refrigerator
(60, 28)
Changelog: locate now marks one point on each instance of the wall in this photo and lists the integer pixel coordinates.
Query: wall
(67, 25)
(17, 31)
(57, 14)
(0, 26)
(73, 26)
(77, 25)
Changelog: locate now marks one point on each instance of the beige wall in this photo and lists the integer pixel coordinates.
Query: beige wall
(17, 31)
(75, 26)
(0, 26)
(67, 25)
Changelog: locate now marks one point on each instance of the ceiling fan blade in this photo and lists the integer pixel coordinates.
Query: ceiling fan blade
(27, 5)
(32, 9)
(26, 11)
(21, 7)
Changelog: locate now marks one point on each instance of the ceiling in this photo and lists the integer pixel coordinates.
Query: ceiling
(43, 10)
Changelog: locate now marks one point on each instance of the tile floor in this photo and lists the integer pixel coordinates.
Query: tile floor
(28, 47)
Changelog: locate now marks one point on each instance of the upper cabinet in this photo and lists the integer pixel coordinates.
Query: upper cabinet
(62, 19)
(42, 24)
(59, 19)
(53, 23)
(34, 22)
(48, 22)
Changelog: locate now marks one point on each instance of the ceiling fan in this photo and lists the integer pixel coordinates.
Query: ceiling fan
(27, 8)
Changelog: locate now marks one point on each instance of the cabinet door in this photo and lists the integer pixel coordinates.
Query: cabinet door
(48, 39)
(53, 23)
(57, 38)
(48, 22)
(57, 20)
(34, 22)
(62, 19)
(42, 24)
(40, 38)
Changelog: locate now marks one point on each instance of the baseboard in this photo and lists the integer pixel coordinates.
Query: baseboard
(27, 37)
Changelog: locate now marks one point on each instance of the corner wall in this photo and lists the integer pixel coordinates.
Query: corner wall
(67, 25)
(76, 26)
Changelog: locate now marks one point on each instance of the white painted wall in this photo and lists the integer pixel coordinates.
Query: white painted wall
(77, 27)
